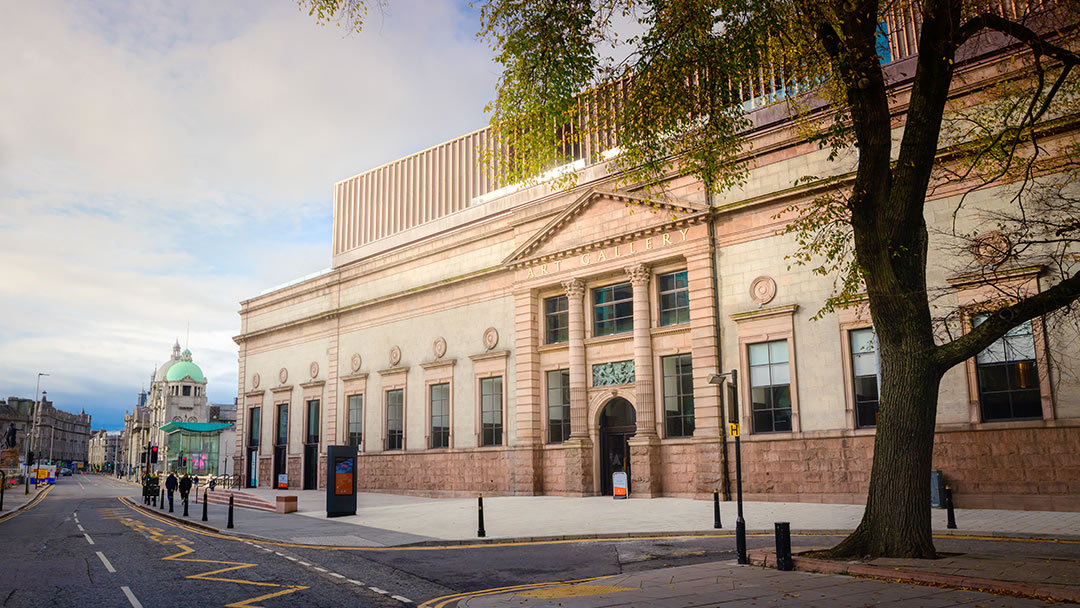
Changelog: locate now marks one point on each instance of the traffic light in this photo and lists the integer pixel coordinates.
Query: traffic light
(183, 462)
(153, 454)
(30, 458)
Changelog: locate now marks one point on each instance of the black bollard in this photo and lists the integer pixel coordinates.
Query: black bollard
(480, 532)
(949, 509)
(185, 508)
(783, 547)
(203, 506)
(170, 502)
(716, 509)
(230, 511)
(163, 500)
(2, 484)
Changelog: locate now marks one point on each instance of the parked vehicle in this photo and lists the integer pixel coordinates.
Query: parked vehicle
(65, 472)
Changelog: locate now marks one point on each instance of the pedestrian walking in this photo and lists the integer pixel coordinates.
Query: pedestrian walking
(170, 486)
(185, 487)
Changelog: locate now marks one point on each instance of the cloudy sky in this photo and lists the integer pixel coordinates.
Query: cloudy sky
(162, 161)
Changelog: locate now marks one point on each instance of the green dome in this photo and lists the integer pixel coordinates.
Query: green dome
(180, 369)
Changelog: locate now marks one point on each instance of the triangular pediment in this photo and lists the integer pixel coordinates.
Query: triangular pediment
(600, 216)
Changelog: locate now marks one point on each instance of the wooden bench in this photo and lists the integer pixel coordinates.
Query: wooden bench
(286, 504)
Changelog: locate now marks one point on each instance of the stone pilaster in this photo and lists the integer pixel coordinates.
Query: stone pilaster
(575, 292)
(578, 446)
(645, 445)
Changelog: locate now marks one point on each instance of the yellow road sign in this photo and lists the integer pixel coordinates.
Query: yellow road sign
(733, 429)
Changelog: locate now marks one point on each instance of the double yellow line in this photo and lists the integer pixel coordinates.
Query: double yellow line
(441, 602)
(33, 502)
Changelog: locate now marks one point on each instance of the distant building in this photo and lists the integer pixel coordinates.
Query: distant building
(177, 394)
(104, 450)
(59, 436)
(226, 412)
(135, 436)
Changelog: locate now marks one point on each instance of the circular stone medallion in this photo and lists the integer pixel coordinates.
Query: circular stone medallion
(314, 369)
(395, 355)
(283, 375)
(762, 290)
(355, 362)
(255, 381)
(439, 347)
(491, 338)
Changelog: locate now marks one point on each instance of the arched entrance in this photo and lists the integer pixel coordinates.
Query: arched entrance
(618, 423)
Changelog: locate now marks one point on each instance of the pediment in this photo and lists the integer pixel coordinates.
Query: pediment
(600, 216)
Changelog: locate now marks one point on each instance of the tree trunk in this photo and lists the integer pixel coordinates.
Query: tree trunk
(896, 522)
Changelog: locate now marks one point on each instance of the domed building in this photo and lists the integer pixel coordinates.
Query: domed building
(177, 394)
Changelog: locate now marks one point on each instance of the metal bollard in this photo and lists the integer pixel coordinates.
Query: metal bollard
(783, 547)
(716, 509)
(203, 506)
(230, 511)
(170, 502)
(480, 532)
(3, 484)
(185, 508)
(740, 541)
(949, 509)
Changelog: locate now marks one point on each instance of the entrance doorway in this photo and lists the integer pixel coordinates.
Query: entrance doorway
(618, 423)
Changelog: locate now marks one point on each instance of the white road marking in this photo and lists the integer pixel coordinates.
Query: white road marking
(88, 539)
(303, 563)
(291, 559)
(379, 591)
(403, 600)
(355, 582)
(105, 561)
(81, 529)
(131, 597)
(319, 569)
(337, 575)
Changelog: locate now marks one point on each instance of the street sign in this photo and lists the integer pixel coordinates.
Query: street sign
(733, 429)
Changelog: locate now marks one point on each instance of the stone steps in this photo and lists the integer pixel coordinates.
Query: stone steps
(241, 499)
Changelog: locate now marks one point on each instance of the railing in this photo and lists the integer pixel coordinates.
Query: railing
(449, 177)
(226, 482)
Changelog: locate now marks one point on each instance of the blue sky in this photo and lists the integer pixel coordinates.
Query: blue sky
(162, 161)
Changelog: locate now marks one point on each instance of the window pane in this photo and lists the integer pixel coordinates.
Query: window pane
(1020, 347)
(759, 398)
(866, 388)
(862, 341)
(1026, 404)
(759, 375)
(864, 364)
(778, 351)
(759, 353)
(995, 353)
(780, 374)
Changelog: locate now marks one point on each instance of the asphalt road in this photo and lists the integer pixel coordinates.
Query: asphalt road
(46, 559)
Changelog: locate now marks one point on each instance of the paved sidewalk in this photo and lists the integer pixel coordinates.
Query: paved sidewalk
(557, 516)
(728, 584)
(15, 499)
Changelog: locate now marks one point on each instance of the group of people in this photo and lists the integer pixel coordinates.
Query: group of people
(184, 484)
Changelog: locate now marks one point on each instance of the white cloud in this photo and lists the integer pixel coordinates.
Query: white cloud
(160, 162)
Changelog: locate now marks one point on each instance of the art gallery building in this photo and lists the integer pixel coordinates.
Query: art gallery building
(473, 336)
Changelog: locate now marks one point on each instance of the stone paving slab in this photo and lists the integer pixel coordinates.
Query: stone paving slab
(560, 516)
(726, 583)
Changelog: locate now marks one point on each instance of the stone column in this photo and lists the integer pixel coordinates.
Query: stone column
(575, 292)
(577, 450)
(645, 445)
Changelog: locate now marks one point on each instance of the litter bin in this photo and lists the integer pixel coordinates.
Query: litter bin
(937, 489)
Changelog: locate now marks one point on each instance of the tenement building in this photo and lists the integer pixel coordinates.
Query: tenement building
(477, 336)
(59, 437)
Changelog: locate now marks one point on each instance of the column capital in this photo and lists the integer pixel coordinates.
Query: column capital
(639, 274)
(575, 288)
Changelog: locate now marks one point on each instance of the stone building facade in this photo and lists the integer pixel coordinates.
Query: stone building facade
(104, 450)
(58, 436)
(15, 411)
(476, 336)
(134, 438)
(177, 394)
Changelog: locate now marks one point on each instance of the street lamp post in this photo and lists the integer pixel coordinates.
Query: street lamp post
(733, 399)
(29, 427)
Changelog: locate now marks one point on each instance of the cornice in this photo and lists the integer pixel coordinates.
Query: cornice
(285, 388)
(497, 354)
(764, 313)
(390, 371)
(438, 363)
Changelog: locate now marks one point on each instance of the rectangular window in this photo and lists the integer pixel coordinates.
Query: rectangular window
(491, 428)
(613, 309)
(440, 415)
(770, 387)
(678, 396)
(558, 402)
(1008, 376)
(312, 421)
(395, 410)
(356, 419)
(282, 435)
(864, 371)
(187, 390)
(674, 298)
(254, 426)
(556, 320)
